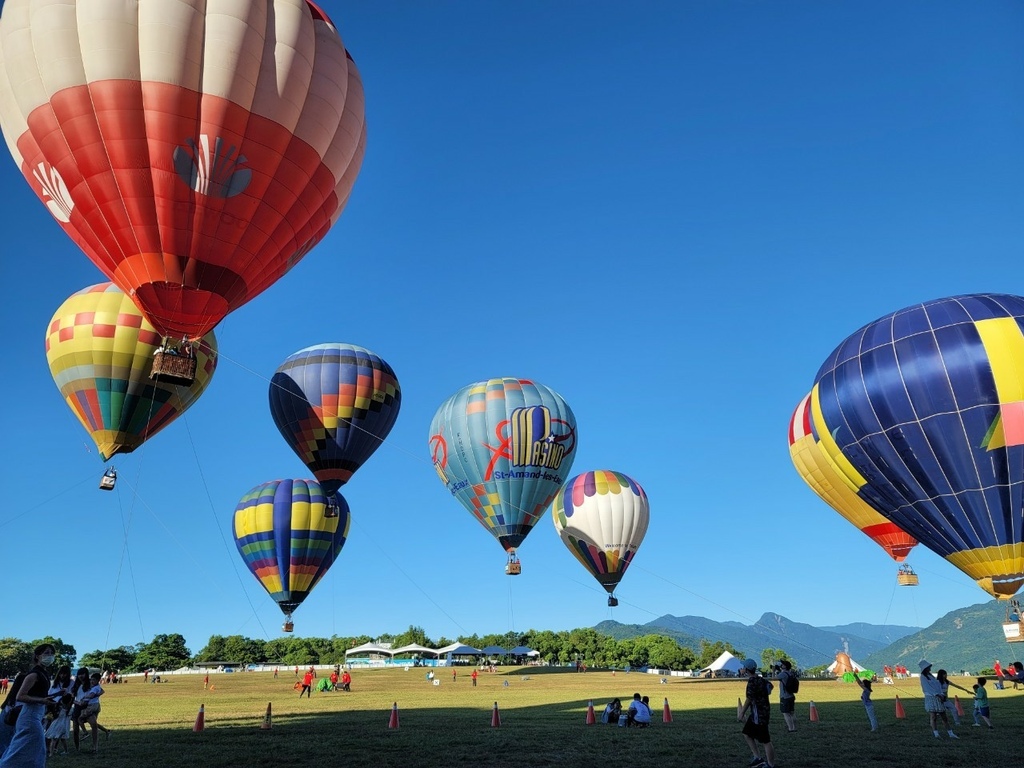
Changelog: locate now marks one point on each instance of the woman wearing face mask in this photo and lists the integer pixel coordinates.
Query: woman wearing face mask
(28, 746)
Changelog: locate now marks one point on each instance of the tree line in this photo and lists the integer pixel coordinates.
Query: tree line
(584, 646)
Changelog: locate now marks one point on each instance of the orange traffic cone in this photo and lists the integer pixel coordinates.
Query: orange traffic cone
(900, 712)
(590, 713)
(200, 720)
(666, 713)
(267, 725)
(959, 706)
(495, 717)
(814, 713)
(393, 722)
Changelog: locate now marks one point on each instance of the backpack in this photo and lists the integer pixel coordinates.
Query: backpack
(792, 683)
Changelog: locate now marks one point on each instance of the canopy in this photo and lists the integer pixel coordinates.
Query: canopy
(383, 649)
(522, 650)
(495, 650)
(458, 649)
(726, 662)
(413, 648)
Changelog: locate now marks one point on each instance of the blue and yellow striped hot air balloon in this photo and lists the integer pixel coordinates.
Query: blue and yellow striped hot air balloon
(100, 351)
(334, 404)
(503, 447)
(602, 518)
(287, 538)
(922, 413)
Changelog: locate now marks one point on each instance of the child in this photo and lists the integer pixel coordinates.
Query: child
(90, 703)
(981, 704)
(869, 706)
(943, 677)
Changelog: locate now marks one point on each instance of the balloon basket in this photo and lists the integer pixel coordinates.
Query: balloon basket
(173, 369)
(612, 601)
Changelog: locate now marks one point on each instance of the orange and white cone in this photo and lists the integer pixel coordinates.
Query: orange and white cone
(495, 717)
(200, 719)
(666, 713)
(267, 724)
(814, 713)
(393, 722)
(591, 719)
(739, 708)
(901, 713)
(959, 706)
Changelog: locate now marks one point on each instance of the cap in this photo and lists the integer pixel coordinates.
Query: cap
(924, 664)
(750, 665)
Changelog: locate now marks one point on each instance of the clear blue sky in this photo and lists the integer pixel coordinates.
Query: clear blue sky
(669, 212)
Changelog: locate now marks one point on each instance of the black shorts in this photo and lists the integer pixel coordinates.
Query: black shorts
(787, 706)
(757, 731)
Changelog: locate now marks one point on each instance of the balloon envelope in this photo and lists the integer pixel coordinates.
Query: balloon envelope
(195, 151)
(334, 404)
(602, 518)
(285, 538)
(503, 447)
(923, 413)
(819, 472)
(100, 351)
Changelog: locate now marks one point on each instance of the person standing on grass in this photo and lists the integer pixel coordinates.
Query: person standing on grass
(91, 710)
(473, 676)
(869, 706)
(206, 681)
(934, 699)
(307, 685)
(943, 677)
(981, 710)
(28, 744)
(787, 695)
(758, 704)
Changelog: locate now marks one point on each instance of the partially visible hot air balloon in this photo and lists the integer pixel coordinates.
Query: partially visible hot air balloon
(196, 151)
(334, 404)
(922, 412)
(503, 447)
(602, 518)
(100, 349)
(287, 539)
(817, 470)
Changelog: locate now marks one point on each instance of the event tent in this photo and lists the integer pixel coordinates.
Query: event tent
(725, 664)
(458, 649)
(522, 650)
(495, 650)
(414, 648)
(379, 649)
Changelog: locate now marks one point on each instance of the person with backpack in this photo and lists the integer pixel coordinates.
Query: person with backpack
(789, 684)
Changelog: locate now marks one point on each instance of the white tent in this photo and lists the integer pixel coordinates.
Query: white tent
(726, 664)
(857, 667)
(378, 649)
(414, 648)
(522, 650)
(458, 649)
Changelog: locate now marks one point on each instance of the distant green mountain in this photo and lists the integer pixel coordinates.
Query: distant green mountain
(967, 639)
(886, 634)
(808, 646)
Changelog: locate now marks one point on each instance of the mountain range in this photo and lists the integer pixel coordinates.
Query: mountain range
(968, 638)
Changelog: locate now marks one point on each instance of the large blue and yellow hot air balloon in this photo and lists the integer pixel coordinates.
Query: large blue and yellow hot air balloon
(334, 404)
(288, 539)
(503, 447)
(922, 413)
(819, 472)
(602, 518)
(100, 351)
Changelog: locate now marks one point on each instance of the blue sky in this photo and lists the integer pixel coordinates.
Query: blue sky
(668, 212)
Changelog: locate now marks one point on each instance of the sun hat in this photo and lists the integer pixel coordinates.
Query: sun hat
(924, 664)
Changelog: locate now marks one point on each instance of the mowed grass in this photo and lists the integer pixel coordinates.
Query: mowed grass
(542, 714)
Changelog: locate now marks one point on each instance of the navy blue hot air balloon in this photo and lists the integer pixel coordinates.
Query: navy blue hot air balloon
(922, 412)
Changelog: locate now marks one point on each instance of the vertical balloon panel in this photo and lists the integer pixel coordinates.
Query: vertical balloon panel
(924, 412)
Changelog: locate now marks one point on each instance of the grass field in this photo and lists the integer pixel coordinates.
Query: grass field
(542, 724)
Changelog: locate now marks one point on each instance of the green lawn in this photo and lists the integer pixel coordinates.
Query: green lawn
(542, 724)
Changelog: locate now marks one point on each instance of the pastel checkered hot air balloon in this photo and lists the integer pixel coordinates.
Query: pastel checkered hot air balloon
(100, 351)
(819, 472)
(922, 413)
(195, 150)
(334, 404)
(602, 518)
(287, 538)
(503, 447)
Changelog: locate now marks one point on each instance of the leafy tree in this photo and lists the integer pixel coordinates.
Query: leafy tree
(710, 651)
(117, 659)
(15, 656)
(163, 652)
(412, 635)
(772, 656)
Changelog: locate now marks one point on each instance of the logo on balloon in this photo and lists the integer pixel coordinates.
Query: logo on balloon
(215, 171)
(532, 441)
(54, 188)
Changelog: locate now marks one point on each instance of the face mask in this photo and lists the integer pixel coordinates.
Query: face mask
(46, 659)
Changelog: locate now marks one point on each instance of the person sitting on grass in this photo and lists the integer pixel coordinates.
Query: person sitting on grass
(612, 712)
(639, 714)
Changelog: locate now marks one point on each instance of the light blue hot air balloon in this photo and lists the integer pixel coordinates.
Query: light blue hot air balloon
(503, 447)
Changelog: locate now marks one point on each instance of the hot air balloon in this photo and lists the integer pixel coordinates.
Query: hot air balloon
(334, 404)
(194, 150)
(817, 470)
(922, 412)
(503, 447)
(100, 349)
(287, 540)
(602, 518)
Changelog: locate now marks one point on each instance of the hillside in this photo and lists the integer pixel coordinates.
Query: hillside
(968, 638)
